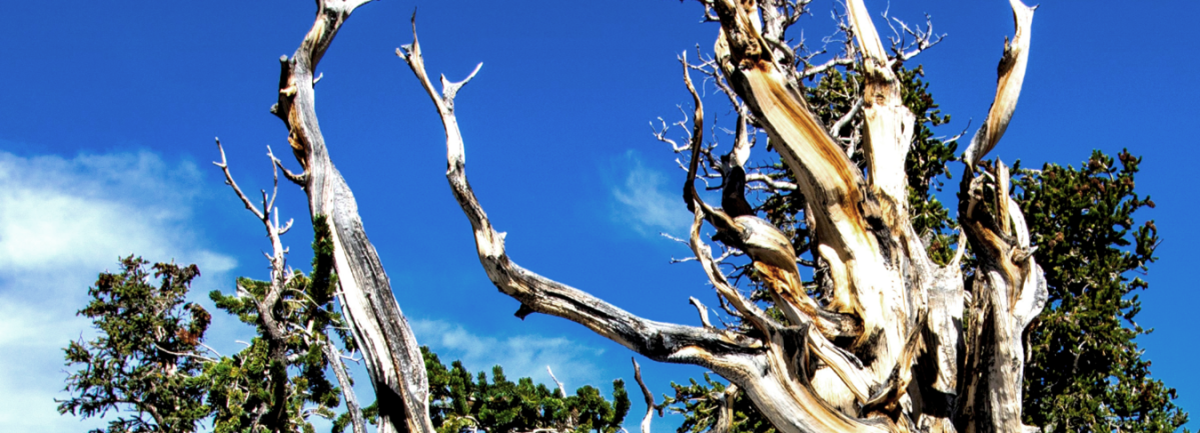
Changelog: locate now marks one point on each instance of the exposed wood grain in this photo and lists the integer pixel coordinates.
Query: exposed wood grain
(888, 350)
(390, 350)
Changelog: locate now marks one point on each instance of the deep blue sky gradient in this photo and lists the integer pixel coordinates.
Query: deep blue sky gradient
(556, 121)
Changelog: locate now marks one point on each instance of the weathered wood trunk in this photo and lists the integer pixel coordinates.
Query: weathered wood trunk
(892, 310)
(390, 351)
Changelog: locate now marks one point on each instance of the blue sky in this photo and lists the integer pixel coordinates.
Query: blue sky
(108, 111)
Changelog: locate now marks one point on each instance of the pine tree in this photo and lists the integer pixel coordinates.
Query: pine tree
(146, 364)
(1086, 372)
(460, 400)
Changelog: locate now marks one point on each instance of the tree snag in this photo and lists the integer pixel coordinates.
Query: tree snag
(390, 351)
(887, 352)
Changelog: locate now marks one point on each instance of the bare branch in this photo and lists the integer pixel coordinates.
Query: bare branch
(184, 354)
(224, 165)
(299, 179)
(637, 375)
(562, 389)
(659, 341)
(772, 183)
(845, 119)
(393, 358)
(812, 71)
(335, 359)
(700, 308)
(689, 188)
(922, 40)
(1008, 88)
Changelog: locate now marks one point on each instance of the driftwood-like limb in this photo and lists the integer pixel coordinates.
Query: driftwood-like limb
(660, 341)
(881, 274)
(770, 183)
(1011, 73)
(357, 423)
(746, 309)
(889, 123)
(390, 351)
(1009, 291)
(700, 308)
(562, 389)
(765, 369)
(768, 247)
(637, 375)
(1009, 288)
(825, 174)
(858, 231)
(885, 351)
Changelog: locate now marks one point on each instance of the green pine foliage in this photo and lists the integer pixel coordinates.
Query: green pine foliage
(1085, 371)
(145, 365)
(149, 359)
(149, 362)
(696, 402)
(245, 386)
(465, 401)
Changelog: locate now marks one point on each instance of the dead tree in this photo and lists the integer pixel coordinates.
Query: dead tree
(849, 364)
(390, 351)
(845, 365)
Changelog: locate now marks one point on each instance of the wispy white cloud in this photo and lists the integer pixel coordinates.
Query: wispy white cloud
(520, 355)
(62, 221)
(646, 202)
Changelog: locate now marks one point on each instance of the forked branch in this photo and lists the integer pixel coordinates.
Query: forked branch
(659, 341)
(276, 329)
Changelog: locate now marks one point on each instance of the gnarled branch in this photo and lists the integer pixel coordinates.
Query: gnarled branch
(390, 350)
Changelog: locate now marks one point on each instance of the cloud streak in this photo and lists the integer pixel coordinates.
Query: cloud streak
(62, 221)
(645, 202)
(520, 355)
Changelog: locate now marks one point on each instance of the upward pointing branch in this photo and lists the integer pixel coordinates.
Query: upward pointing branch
(1011, 73)
(392, 357)
(889, 122)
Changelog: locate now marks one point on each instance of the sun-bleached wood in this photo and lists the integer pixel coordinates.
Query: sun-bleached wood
(1011, 73)
(390, 352)
(888, 351)
(646, 395)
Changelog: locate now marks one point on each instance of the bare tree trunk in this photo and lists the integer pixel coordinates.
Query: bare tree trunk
(390, 351)
(892, 311)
